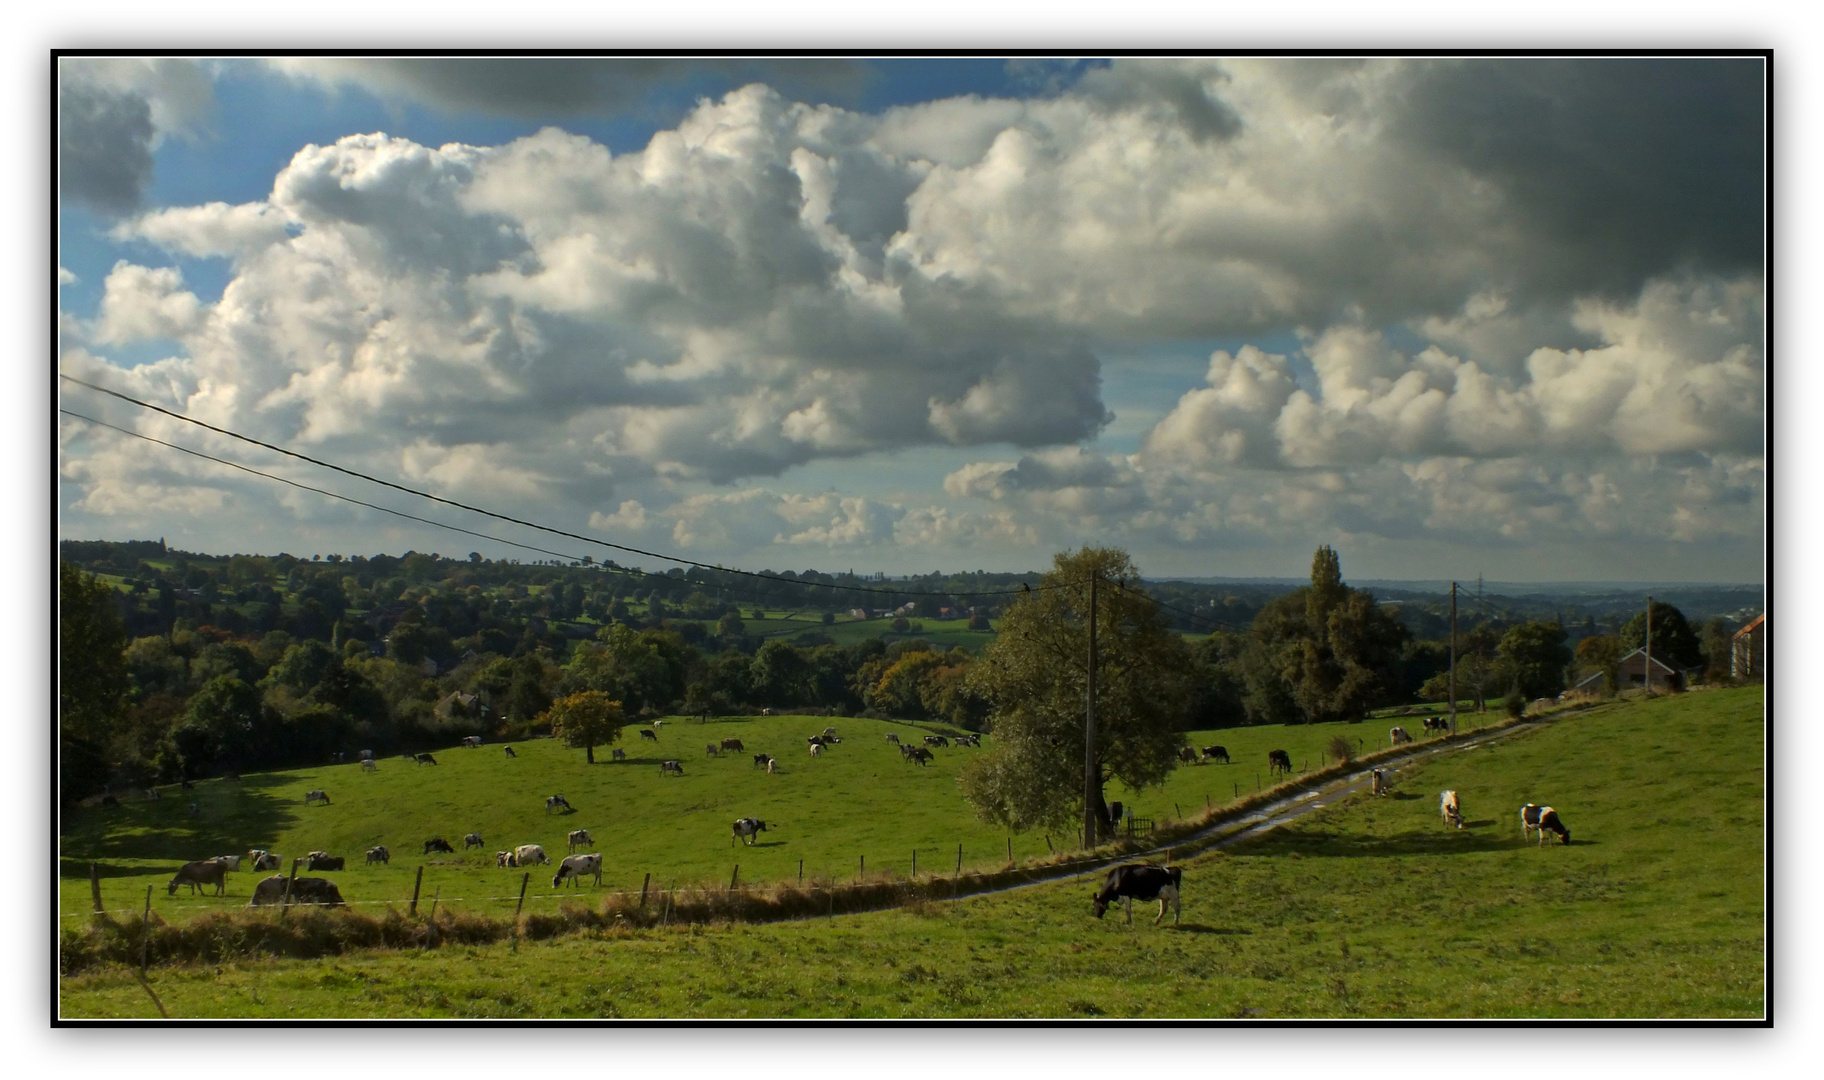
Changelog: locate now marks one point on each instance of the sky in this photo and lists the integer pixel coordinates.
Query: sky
(1452, 316)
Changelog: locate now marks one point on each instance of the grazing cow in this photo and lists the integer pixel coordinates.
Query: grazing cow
(438, 843)
(197, 874)
(579, 838)
(316, 796)
(746, 829)
(816, 749)
(268, 891)
(1542, 818)
(766, 712)
(733, 744)
(1379, 778)
(671, 767)
(504, 859)
(657, 724)
(969, 740)
(261, 859)
(1398, 735)
(921, 755)
(892, 738)
(231, 862)
(320, 861)
(1216, 753)
(712, 750)
(379, 855)
(1138, 881)
(367, 765)
(472, 840)
(771, 766)
(509, 751)
(366, 755)
(1438, 724)
(1278, 761)
(576, 867)
(529, 855)
(644, 734)
(619, 754)
(309, 855)
(1185, 753)
(761, 761)
(425, 759)
(936, 740)
(1451, 808)
(473, 742)
(556, 801)
(316, 890)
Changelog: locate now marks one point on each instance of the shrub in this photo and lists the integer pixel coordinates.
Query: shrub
(1514, 702)
(1341, 747)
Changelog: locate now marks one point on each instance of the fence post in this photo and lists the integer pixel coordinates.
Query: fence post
(1010, 851)
(527, 880)
(145, 931)
(1206, 800)
(914, 862)
(959, 859)
(864, 868)
(643, 887)
(1257, 782)
(733, 877)
(1179, 810)
(800, 871)
(285, 904)
(434, 896)
(416, 882)
(95, 886)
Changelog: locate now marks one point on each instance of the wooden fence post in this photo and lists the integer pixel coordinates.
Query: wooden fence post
(1206, 800)
(145, 931)
(285, 904)
(1179, 810)
(416, 882)
(527, 880)
(959, 859)
(1048, 846)
(732, 878)
(864, 868)
(95, 886)
(914, 862)
(800, 871)
(434, 895)
(643, 885)
(1010, 851)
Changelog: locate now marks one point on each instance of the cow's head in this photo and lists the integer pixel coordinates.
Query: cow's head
(1101, 905)
(1564, 837)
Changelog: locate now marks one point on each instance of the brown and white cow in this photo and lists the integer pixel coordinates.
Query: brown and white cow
(1451, 807)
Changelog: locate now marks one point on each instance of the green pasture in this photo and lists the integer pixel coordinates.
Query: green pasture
(1369, 908)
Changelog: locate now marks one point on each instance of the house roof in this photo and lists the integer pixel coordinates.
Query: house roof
(1753, 625)
(1657, 662)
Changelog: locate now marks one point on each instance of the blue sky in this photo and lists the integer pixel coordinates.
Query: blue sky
(910, 314)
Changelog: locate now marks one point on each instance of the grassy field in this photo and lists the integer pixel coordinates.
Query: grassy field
(1369, 908)
(860, 800)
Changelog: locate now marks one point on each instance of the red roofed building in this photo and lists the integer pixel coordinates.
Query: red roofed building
(1748, 656)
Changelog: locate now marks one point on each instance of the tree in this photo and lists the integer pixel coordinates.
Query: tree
(1674, 642)
(1322, 652)
(1601, 653)
(526, 694)
(218, 724)
(587, 720)
(1034, 677)
(92, 679)
(1537, 654)
(1719, 650)
(779, 674)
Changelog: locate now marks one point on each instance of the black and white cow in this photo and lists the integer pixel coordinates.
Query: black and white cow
(316, 796)
(921, 755)
(261, 859)
(555, 801)
(438, 843)
(577, 867)
(509, 751)
(1439, 724)
(472, 840)
(1542, 818)
(747, 827)
(473, 742)
(1278, 761)
(1398, 735)
(645, 734)
(424, 759)
(892, 738)
(936, 740)
(379, 855)
(320, 861)
(619, 754)
(1138, 881)
(1451, 807)
(1216, 753)
(671, 767)
(761, 761)
(579, 838)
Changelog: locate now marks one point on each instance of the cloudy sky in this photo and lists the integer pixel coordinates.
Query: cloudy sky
(1451, 316)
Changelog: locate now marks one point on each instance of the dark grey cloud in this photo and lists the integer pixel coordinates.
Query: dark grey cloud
(542, 86)
(1616, 169)
(104, 147)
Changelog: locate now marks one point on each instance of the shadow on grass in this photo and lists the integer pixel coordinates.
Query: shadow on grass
(1316, 844)
(231, 818)
(1199, 928)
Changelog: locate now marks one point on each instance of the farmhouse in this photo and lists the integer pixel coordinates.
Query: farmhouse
(1631, 673)
(1748, 652)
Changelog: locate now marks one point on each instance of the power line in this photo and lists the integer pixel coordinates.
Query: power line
(505, 517)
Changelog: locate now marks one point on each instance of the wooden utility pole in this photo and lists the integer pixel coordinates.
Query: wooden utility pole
(1648, 682)
(1453, 658)
(1090, 787)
